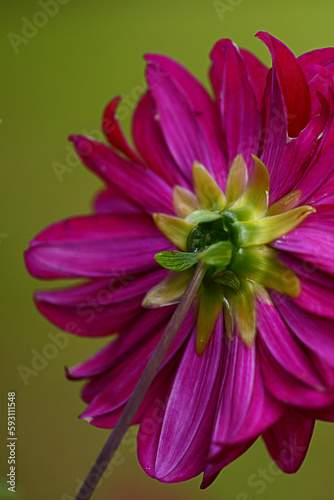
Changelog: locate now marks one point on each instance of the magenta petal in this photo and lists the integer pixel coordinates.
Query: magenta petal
(257, 73)
(152, 146)
(292, 82)
(323, 57)
(155, 398)
(317, 288)
(98, 308)
(313, 240)
(235, 96)
(95, 246)
(113, 131)
(287, 351)
(224, 456)
(313, 331)
(319, 183)
(184, 137)
(186, 429)
(288, 440)
(111, 390)
(300, 152)
(137, 182)
(200, 103)
(112, 201)
(244, 408)
(326, 414)
(275, 134)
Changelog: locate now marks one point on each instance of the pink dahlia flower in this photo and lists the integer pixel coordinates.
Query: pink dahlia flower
(241, 184)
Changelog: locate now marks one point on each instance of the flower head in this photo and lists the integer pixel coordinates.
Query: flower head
(243, 184)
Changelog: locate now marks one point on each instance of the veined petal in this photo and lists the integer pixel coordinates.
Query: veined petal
(152, 146)
(200, 102)
(137, 182)
(113, 201)
(238, 107)
(292, 82)
(185, 433)
(184, 137)
(113, 131)
(288, 440)
(257, 73)
(95, 246)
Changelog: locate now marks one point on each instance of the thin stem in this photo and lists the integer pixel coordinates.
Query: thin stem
(136, 399)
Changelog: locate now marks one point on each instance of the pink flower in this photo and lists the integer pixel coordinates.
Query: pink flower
(255, 354)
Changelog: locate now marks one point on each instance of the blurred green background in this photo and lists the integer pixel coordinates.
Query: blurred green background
(56, 80)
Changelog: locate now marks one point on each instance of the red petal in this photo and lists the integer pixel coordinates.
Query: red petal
(113, 131)
(293, 84)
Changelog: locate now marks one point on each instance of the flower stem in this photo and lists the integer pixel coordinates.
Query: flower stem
(144, 383)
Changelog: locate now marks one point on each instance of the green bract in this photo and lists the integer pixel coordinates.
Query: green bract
(230, 233)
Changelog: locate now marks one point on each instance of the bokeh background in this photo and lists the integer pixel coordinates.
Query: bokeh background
(56, 80)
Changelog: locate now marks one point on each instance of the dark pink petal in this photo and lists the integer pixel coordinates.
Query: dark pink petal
(113, 131)
(154, 397)
(312, 240)
(323, 57)
(234, 93)
(95, 246)
(300, 152)
(318, 185)
(137, 182)
(224, 455)
(244, 409)
(257, 73)
(317, 288)
(178, 121)
(116, 351)
(315, 332)
(89, 322)
(112, 201)
(292, 82)
(99, 308)
(201, 104)
(288, 352)
(110, 391)
(152, 146)
(275, 134)
(326, 414)
(185, 434)
(288, 389)
(288, 440)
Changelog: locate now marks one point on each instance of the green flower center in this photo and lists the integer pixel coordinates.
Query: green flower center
(230, 233)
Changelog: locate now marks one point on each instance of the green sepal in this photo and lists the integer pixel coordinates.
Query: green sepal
(227, 278)
(262, 231)
(175, 260)
(199, 216)
(168, 291)
(210, 306)
(219, 254)
(262, 265)
(244, 312)
(253, 203)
